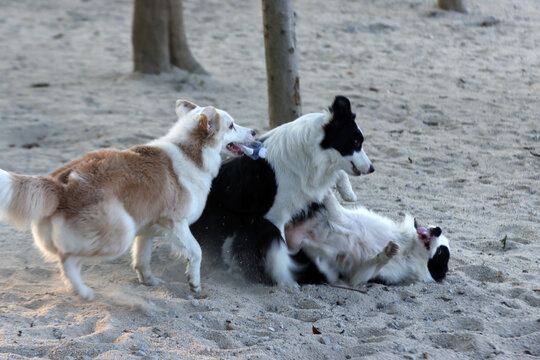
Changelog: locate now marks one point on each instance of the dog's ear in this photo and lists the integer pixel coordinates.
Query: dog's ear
(341, 109)
(183, 107)
(209, 120)
(435, 231)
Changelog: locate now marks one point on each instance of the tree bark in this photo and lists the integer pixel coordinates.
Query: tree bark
(454, 5)
(179, 49)
(283, 81)
(159, 38)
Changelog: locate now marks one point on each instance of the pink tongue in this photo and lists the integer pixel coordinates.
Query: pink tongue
(422, 231)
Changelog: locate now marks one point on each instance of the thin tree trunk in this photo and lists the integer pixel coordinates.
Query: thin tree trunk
(284, 103)
(150, 37)
(454, 5)
(159, 38)
(180, 53)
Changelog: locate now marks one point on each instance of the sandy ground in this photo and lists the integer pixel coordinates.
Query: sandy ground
(450, 111)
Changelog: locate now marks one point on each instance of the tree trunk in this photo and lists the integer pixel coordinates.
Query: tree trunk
(180, 54)
(454, 5)
(159, 38)
(284, 102)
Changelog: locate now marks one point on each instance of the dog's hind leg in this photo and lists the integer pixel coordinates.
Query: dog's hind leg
(188, 246)
(366, 270)
(280, 265)
(260, 253)
(142, 252)
(71, 271)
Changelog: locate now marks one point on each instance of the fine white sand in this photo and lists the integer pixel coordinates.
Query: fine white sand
(450, 111)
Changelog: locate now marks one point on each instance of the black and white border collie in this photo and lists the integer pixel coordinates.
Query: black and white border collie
(251, 201)
(357, 246)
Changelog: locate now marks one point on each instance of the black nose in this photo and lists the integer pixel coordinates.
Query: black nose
(371, 169)
(253, 133)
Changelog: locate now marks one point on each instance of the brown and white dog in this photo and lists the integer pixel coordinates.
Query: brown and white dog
(98, 204)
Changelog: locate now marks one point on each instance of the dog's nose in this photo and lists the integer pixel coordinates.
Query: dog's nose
(371, 169)
(253, 133)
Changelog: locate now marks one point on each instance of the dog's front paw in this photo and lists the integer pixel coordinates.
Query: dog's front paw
(344, 187)
(86, 293)
(194, 287)
(147, 278)
(289, 286)
(391, 249)
(349, 196)
(153, 281)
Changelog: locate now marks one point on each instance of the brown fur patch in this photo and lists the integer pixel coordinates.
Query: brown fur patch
(203, 135)
(142, 178)
(186, 105)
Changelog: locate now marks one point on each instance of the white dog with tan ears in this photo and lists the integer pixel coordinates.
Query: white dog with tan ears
(103, 202)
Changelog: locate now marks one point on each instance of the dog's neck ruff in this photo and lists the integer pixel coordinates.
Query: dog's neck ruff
(294, 151)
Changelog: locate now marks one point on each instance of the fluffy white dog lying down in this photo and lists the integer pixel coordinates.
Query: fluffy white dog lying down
(357, 246)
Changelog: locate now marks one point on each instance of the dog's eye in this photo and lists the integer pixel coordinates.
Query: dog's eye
(231, 126)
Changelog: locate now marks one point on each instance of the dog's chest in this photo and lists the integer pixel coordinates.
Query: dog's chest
(198, 193)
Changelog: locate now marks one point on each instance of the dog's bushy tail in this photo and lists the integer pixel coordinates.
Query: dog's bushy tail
(24, 198)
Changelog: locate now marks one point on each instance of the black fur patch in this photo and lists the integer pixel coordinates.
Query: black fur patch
(342, 133)
(438, 264)
(250, 246)
(241, 194)
(243, 186)
(308, 272)
(312, 210)
(435, 231)
(378, 280)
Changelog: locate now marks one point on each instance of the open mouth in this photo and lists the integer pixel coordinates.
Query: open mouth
(423, 236)
(235, 149)
(355, 170)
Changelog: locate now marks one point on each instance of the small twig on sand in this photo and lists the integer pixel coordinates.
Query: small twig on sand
(347, 288)
(503, 241)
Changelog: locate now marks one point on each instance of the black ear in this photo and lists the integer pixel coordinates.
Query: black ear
(341, 109)
(436, 231)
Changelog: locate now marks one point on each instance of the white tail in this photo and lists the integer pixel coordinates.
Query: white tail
(24, 199)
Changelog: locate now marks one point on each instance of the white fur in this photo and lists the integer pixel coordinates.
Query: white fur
(76, 176)
(354, 242)
(303, 170)
(186, 245)
(227, 253)
(304, 174)
(197, 182)
(5, 192)
(279, 265)
(344, 187)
